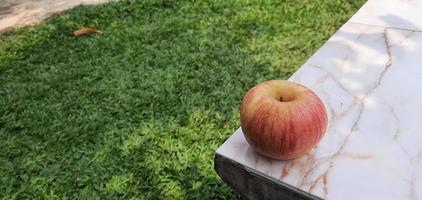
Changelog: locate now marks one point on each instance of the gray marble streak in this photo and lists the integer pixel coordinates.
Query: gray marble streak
(400, 14)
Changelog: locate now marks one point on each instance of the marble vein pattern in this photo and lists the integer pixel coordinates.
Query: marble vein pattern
(402, 14)
(370, 79)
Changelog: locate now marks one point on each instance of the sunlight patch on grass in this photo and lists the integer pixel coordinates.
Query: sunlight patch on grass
(119, 183)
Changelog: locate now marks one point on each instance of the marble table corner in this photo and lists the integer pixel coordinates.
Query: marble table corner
(369, 76)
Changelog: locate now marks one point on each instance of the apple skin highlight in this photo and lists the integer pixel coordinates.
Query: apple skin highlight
(282, 120)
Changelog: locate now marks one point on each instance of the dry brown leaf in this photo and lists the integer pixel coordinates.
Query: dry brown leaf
(85, 31)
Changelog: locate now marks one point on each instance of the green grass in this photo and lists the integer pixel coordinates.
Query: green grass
(137, 112)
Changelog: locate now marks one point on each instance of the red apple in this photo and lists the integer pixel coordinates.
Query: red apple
(282, 119)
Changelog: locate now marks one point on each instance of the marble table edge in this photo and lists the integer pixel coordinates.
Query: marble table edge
(260, 188)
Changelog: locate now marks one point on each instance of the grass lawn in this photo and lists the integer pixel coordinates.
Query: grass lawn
(137, 112)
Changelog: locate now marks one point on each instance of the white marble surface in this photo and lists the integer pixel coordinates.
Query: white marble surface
(404, 14)
(370, 79)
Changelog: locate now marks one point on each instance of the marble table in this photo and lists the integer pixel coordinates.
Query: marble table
(369, 75)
